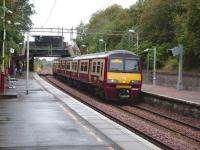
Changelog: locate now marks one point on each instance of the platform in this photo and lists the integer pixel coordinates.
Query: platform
(191, 97)
(47, 118)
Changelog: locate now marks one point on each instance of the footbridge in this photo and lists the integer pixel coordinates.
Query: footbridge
(51, 46)
(45, 46)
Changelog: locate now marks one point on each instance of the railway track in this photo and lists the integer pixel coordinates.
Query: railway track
(175, 126)
(161, 130)
(172, 116)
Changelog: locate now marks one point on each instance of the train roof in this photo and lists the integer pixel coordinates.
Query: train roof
(66, 58)
(103, 54)
(99, 55)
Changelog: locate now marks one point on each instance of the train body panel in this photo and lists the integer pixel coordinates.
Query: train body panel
(124, 77)
(115, 73)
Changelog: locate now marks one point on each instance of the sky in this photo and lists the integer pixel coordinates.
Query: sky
(69, 13)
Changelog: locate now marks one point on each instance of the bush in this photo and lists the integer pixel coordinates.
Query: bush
(170, 65)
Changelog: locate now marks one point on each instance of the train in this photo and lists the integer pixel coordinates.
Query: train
(114, 75)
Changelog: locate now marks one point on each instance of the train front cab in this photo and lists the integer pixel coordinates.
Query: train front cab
(124, 78)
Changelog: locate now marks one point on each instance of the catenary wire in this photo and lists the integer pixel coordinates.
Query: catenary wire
(50, 13)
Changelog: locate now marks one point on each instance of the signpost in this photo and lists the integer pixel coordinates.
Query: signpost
(147, 50)
(179, 51)
(27, 65)
(154, 67)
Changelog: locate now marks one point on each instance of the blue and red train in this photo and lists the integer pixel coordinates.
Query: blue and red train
(114, 74)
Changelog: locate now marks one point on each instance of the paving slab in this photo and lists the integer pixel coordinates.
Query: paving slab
(192, 97)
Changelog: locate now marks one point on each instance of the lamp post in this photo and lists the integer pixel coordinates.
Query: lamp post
(154, 65)
(147, 50)
(101, 40)
(27, 63)
(137, 38)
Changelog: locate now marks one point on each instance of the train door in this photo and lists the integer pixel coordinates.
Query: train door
(101, 73)
(89, 71)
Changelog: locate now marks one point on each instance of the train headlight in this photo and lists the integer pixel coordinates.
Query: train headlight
(135, 83)
(113, 81)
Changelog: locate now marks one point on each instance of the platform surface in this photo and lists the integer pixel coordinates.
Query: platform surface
(46, 118)
(192, 97)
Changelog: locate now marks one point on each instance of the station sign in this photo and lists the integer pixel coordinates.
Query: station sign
(12, 50)
(176, 50)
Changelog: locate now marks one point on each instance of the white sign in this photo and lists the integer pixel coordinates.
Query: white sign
(12, 50)
(176, 50)
(147, 50)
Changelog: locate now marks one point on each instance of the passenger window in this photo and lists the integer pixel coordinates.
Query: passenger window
(82, 66)
(86, 66)
(69, 66)
(94, 67)
(76, 66)
(63, 65)
(60, 65)
(98, 67)
(101, 69)
(90, 67)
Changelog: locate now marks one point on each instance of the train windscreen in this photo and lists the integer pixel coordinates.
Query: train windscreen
(123, 65)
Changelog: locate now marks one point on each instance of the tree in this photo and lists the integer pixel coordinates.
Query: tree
(108, 24)
(192, 52)
(157, 21)
(135, 12)
(22, 10)
(129, 40)
(162, 24)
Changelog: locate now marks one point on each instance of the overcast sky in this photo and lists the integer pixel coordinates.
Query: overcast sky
(69, 13)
